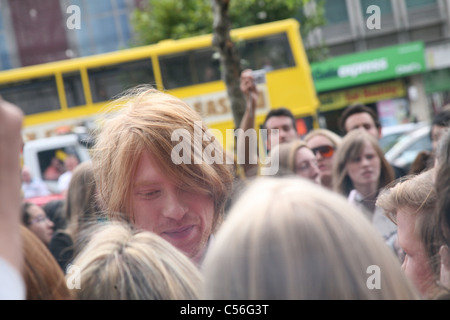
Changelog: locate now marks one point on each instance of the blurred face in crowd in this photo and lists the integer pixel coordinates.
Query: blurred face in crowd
(324, 151)
(416, 263)
(436, 133)
(286, 130)
(26, 175)
(180, 216)
(362, 120)
(364, 170)
(71, 162)
(40, 225)
(306, 164)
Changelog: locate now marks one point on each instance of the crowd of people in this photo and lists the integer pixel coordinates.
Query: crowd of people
(135, 224)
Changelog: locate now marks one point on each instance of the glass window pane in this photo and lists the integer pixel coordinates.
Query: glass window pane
(269, 53)
(336, 11)
(126, 32)
(105, 34)
(207, 64)
(99, 6)
(189, 68)
(32, 96)
(5, 63)
(74, 89)
(178, 70)
(384, 5)
(109, 81)
(419, 3)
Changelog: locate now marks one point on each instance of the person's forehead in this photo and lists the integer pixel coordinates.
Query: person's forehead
(359, 119)
(36, 210)
(278, 121)
(303, 154)
(319, 140)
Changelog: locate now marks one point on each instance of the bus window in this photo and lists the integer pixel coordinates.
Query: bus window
(269, 53)
(32, 96)
(189, 68)
(207, 66)
(108, 81)
(74, 89)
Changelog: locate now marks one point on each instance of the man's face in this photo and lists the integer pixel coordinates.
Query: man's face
(362, 120)
(182, 217)
(286, 130)
(416, 265)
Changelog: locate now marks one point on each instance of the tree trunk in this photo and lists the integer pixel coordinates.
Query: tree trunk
(229, 58)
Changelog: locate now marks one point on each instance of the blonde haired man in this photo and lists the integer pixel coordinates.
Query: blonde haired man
(140, 179)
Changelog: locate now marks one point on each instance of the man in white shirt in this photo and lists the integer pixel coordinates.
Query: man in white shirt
(33, 187)
(63, 181)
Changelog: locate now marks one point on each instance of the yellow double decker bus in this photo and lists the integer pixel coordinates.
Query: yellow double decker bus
(72, 92)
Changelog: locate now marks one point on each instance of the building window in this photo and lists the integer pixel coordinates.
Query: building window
(105, 26)
(419, 3)
(384, 5)
(336, 11)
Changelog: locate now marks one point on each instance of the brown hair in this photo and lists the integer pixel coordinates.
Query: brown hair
(351, 147)
(44, 279)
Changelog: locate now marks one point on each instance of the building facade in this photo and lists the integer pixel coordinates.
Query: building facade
(39, 31)
(374, 36)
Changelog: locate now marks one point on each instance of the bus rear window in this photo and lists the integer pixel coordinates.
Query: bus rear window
(32, 96)
(270, 53)
(74, 89)
(189, 68)
(109, 81)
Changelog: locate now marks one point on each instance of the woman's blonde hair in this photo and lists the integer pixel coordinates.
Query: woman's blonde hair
(288, 238)
(144, 121)
(122, 263)
(286, 156)
(417, 194)
(352, 147)
(335, 139)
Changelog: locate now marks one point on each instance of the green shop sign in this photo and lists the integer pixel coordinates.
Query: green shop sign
(370, 66)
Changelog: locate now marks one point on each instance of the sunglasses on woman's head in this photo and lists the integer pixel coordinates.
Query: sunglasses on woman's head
(325, 151)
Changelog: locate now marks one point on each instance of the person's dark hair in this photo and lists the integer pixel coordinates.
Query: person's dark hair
(282, 111)
(25, 214)
(354, 109)
(54, 211)
(422, 162)
(441, 119)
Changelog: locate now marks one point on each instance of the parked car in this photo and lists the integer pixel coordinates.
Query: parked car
(38, 155)
(391, 134)
(405, 150)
